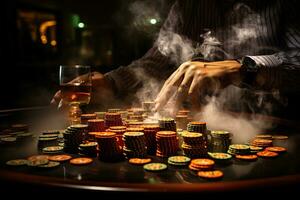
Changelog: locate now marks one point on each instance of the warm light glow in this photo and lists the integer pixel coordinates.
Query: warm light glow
(81, 25)
(43, 28)
(73, 97)
(53, 43)
(153, 21)
(44, 39)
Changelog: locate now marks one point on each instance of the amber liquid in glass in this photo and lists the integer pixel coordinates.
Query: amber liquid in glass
(76, 94)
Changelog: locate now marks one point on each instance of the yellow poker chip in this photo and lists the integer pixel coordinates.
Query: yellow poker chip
(139, 161)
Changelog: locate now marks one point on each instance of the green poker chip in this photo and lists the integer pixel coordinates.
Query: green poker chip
(53, 149)
(179, 159)
(50, 164)
(49, 136)
(79, 126)
(239, 147)
(220, 156)
(17, 162)
(191, 134)
(155, 166)
(8, 139)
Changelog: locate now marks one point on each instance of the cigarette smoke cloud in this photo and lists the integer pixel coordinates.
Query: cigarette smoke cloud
(181, 49)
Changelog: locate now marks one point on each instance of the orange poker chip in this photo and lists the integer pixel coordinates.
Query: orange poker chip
(214, 174)
(276, 149)
(81, 161)
(60, 158)
(202, 161)
(246, 157)
(139, 161)
(267, 154)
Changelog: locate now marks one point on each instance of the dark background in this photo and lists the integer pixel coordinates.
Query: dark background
(38, 36)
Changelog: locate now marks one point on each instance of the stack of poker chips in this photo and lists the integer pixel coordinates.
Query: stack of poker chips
(96, 125)
(262, 143)
(194, 144)
(184, 112)
(109, 149)
(167, 124)
(88, 149)
(74, 136)
(20, 128)
(150, 134)
(138, 118)
(198, 127)
(166, 143)
(114, 110)
(264, 136)
(100, 115)
(220, 141)
(113, 119)
(181, 121)
(221, 158)
(85, 117)
(134, 145)
(48, 138)
(134, 124)
(119, 130)
(148, 106)
(201, 164)
(239, 149)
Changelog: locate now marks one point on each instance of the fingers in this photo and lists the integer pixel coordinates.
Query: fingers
(56, 98)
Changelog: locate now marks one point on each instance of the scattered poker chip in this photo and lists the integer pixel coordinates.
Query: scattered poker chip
(50, 164)
(179, 160)
(264, 136)
(276, 149)
(38, 157)
(17, 162)
(246, 157)
(255, 148)
(214, 174)
(81, 161)
(219, 156)
(8, 139)
(53, 149)
(34, 163)
(267, 154)
(139, 161)
(49, 136)
(155, 166)
(280, 137)
(60, 158)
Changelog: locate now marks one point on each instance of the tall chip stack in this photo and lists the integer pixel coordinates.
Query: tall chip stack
(194, 144)
(113, 119)
(166, 143)
(109, 149)
(85, 117)
(181, 121)
(198, 127)
(150, 134)
(148, 106)
(262, 143)
(74, 136)
(134, 145)
(100, 115)
(167, 124)
(134, 124)
(119, 130)
(220, 141)
(95, 125)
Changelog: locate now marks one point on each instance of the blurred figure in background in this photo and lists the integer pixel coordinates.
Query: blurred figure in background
(206, 45)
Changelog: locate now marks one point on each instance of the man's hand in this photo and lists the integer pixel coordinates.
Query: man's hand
(101, 91)
(194, 79)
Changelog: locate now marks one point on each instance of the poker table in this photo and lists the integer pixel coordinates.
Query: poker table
(265, 174)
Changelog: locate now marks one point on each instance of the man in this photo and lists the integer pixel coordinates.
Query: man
(252, 43)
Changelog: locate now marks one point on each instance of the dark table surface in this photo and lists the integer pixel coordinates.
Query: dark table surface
(281, 171)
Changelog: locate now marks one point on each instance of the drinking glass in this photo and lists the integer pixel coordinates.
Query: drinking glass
(75, 85)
